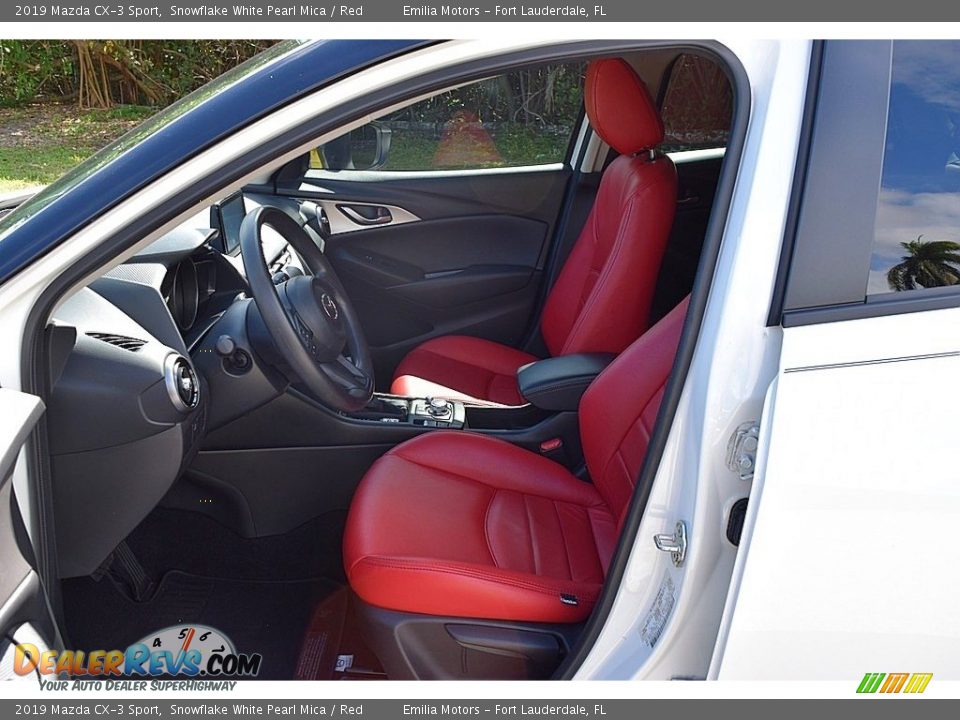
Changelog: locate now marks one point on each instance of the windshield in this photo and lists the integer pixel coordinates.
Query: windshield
(163, 118)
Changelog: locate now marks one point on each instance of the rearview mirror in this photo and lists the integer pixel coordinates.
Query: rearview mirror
(364, 148)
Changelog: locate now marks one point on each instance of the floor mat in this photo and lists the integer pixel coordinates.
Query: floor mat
(195, 543)
(267, 617)
(321, 643)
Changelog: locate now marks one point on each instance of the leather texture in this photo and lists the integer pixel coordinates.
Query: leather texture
(602, 297)
(620, 107)
(619, 410)
(465, 525)
(458, 367)
(558, 383)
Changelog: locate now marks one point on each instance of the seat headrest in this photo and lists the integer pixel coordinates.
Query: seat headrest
(620, 108)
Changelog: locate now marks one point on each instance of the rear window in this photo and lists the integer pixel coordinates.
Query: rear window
(697, 105)
(916, 236)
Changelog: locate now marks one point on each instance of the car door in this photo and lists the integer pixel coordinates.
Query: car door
(439, 216)
(25, 617)
(848, 565)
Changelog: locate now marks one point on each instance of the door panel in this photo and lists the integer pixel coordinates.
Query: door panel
(24, 613)
(466, 259)
(849, 553)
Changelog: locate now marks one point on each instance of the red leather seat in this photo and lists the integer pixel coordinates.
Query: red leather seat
(602, 297)
(465, 525)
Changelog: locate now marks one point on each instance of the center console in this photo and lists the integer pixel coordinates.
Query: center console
(430, 412)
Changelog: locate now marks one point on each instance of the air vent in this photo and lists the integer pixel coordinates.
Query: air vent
(121, 341)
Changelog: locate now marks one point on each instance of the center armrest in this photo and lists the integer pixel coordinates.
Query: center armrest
(558, 382)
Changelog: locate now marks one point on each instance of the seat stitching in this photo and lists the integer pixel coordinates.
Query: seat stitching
(596, 542)
(486, 529)
(626, 469)
(560, 586)
(563, 536)
(439, 469)
(623, 437)
(618, 245)
(533, 545)
(446, 471)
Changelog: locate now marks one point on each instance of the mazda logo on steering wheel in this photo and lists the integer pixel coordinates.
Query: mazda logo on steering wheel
(329, 306)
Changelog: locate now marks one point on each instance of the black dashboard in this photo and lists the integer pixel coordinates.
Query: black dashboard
(127, 409)
(129, 405)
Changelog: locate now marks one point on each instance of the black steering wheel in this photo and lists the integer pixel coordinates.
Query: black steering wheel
(309, 316)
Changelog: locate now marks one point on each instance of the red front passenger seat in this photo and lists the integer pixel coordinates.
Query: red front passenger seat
(601, 299)
(462, 525)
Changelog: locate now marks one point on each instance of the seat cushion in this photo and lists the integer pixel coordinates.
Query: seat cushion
(465, 525)
(463, 368)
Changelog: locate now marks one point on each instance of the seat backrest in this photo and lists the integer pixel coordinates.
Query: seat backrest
(602, 297)
(619, 409)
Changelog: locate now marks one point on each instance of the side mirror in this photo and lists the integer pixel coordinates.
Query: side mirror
(364, 148)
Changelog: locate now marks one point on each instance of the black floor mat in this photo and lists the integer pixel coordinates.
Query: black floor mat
(195, 543)
(268, 617)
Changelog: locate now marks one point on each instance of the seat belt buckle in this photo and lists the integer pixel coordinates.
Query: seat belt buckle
(554, 450)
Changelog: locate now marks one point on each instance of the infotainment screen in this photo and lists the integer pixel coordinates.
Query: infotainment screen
(232, 212)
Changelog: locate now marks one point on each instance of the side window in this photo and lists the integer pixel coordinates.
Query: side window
(916, 241)
(521, 118)
(697, 105)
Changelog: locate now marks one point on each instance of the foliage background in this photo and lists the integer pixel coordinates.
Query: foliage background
(104, 73)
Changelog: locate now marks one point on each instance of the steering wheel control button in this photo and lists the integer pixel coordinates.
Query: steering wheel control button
(183, 385)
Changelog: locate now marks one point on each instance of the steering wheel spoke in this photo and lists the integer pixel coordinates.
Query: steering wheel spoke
(309, 317)
(345, 372)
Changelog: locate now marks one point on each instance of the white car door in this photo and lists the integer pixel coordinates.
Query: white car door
(848, 563)
(24, 614)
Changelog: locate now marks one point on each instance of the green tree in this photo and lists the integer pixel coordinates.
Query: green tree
(927, 264)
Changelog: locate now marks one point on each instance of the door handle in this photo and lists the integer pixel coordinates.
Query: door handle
(382, 215)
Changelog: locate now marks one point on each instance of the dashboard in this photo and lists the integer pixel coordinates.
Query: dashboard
(128, 409)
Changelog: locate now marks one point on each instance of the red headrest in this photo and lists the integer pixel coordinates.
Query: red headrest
(620, 107)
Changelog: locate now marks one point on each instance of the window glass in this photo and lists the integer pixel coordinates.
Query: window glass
(697, 105)
(524, 117)
(917, 229)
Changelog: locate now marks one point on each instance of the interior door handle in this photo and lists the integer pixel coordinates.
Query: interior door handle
(381, 214)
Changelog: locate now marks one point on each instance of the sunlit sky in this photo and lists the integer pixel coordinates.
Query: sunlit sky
(919, 195)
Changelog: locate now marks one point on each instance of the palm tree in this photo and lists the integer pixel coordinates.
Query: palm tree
(926, 264)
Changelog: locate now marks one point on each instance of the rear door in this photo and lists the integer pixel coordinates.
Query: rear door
(24, 614)
(849, 561)
(449, 230)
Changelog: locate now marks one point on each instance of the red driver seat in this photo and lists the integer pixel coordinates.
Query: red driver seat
(463, 525)
(601, 299)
